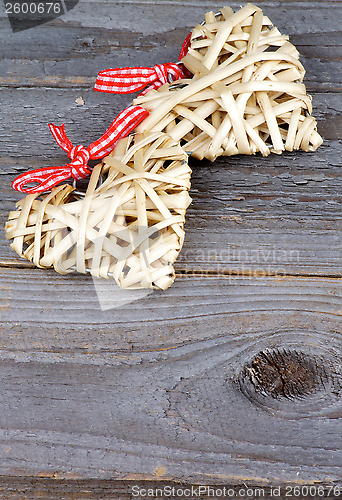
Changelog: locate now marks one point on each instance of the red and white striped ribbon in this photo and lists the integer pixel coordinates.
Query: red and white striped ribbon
(185, 47)
(49, 177)
(128, 80)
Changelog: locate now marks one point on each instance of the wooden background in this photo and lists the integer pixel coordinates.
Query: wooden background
(233, 375)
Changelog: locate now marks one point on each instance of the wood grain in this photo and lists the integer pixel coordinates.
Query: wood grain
(32, 301)
(270, 216)
(46, 488)
(28, 136)
(166, 380)
(70, 50)
(230, 377)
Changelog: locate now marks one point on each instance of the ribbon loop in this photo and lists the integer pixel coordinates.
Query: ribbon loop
(161, 72)
(46, 178)
(128, 80)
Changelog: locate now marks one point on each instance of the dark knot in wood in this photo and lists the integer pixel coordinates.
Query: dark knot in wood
(285, 374)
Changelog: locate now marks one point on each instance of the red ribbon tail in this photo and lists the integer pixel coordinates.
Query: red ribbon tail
(46, 178)
(123, 125)
(61, 137)
(184, 50)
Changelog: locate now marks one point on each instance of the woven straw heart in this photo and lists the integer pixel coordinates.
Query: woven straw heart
(130, 227)
(246, 95)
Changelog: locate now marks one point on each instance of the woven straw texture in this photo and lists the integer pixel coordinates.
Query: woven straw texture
(130, 227)
(246, 95)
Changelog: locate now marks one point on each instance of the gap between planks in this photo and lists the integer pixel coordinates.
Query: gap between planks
(203, 273)
(82, 83)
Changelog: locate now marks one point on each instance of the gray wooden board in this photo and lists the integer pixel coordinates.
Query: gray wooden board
(251, 218)
(72, 49)
(26, 113)
(276, 215)
(96, 383)
(279, 215)
(153, 385)
(34, 488)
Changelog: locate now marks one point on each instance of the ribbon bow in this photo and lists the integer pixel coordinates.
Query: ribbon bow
(128, 80)
(120, 81)
(49, 177)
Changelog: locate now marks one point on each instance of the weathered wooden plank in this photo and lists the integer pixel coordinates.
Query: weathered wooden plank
(103, 489)
(251, 218)
(219, 379)
(281, 238)
(155, 386)
(276, 215)
(32, 301)
(43, 488)
(72, 49)
(26, 113)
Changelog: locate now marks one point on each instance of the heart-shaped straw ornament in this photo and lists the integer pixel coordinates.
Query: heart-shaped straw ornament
(246, 96)
(130, 227)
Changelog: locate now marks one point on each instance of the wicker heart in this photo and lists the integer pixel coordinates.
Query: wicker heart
(246, 95)
(130, 227)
